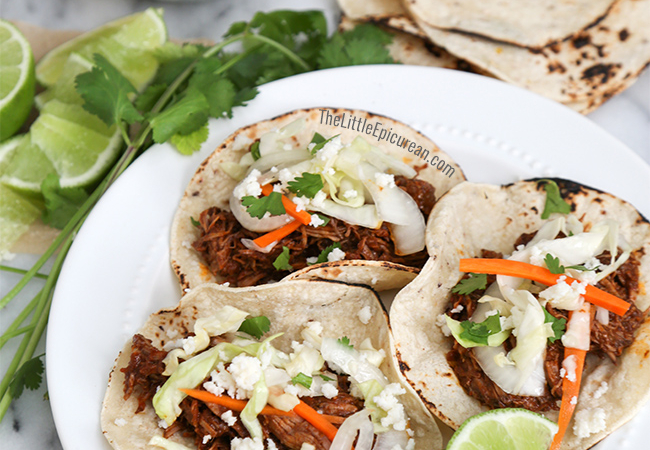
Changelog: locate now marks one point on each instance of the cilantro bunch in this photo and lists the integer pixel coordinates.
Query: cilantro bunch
(193, 83)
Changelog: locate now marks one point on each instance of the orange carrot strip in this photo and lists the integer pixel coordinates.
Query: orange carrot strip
(276, 235)
(231, 403)
(541, 275)
(302, 216)
(570, 391)
(317, 420)
(239, 405)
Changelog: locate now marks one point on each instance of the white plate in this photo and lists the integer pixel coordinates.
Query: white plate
(117, 271)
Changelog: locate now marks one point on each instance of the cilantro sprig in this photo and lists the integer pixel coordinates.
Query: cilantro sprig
(256, 326)
(258, 207)
(193, 84)
(322, 257)
(475, 282)
(282, 261)
(554, 201)
(308, 185)
(479, 332)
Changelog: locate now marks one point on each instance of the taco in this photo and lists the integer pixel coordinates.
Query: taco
(263, 368)
(518, 294)
(311, 186)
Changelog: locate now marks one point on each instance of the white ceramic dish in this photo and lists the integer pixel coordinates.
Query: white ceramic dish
(118, 272)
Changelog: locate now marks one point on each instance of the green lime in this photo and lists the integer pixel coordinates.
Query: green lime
(27, 167)
(80, 146)
(7, 151)
(127, 43)
(16, 79)
(504, 429)
(64, 88)
(16, 215)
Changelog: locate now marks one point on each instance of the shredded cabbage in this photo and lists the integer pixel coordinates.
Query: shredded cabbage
(161, 442)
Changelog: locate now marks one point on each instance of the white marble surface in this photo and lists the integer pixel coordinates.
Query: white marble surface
(29, 424)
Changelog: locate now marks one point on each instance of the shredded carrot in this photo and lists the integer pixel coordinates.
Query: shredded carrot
(317, 420)
(302, 216)
(239, 405)
(276, 235)
(231, 403)
(570, 391)
(541, 275)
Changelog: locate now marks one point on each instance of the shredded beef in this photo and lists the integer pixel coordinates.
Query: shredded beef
(294, 431)
(143, 373)
(221, 247)
(610, 339)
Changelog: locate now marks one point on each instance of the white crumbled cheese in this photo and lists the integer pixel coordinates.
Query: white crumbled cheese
(292, 389)
(306, 446)
(536, 256)
(162, 424)
(172, 333)
(312, 260)
(387, 401)
(564, 296)
(315, 326)
(365, 315)
(316, 221)
(330, 150)
(206, 439)
(189, 345)
(562, 372)
(186, 290)
(410, 445)
(329, 390)
(457, 309)
(277, 188)
(589, 421)
(570, 365)
(520, 247)
(385, 180)
(311, 146)
(336, 255)
(285, 176)
(229, 418)
(374, 280)
(319, 198)
(328, 171)
(226, 284)
(301, 202)
(441, 321)
(246, 371)
(249, 185)
(601, 389)
(270, 444)
(120, 422)
(350, 193)
(274, 169)
(574, 400)
(246, 444)
(493, 312)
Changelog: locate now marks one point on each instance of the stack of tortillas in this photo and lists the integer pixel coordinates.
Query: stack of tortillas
(577, 52)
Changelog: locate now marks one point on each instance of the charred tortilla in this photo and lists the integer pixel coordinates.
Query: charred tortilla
(210, 189)
(475, 217)
(289, 306)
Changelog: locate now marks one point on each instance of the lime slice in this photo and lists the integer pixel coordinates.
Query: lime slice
(16, 215)
(27, 168)
(127, 43)
(504, 429)
(64, 88)
(79, 145)
(7, 151)
(16, 79)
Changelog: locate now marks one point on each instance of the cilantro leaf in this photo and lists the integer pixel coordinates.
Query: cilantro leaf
(558, 326)
(187, 144)
(320, 144)
(471, 284)
(282, 261)
(303, 379)
(325, 377)
(345, 341)
(256, 326)
(307, 185)
(195, 222)
(105, 92)
(183, 117)
(323, 255)
(29, 375)
(553, 264)
(149, 97)
(480, 331)
(317, 138)
(554, 201)
(365, 44)
(255, 150)
(257, 207)
(60, 204)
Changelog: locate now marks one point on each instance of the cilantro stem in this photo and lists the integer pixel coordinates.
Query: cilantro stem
(21, 271)
(10, 335)
(19, 320)
(288, 53)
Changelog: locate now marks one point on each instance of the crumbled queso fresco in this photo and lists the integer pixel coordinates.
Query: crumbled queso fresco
(336, 254)
(589, 421)
(365, 315)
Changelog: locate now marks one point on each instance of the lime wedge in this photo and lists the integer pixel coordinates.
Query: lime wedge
(7, 151)
(504, 429)
(27, 167)
(64, 88)
(79, 145)
(16, 215)
(16, 79)
(127, 43)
